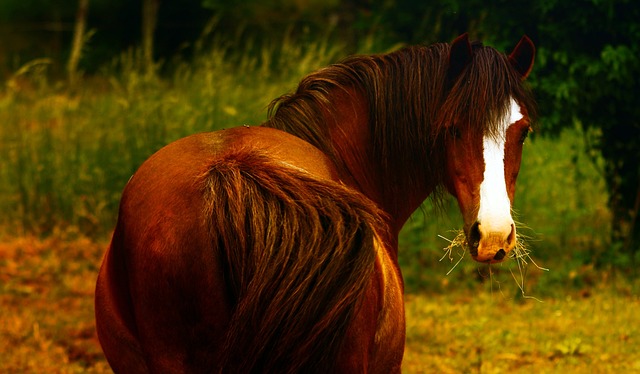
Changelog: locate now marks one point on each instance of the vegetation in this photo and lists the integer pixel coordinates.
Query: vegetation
(587, 62)
(69, 153)
(67, 150)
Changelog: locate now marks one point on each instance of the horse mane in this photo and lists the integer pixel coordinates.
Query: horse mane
(412, 102)
(285, 238)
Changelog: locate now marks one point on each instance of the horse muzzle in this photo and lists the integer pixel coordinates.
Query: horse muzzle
(491, 244)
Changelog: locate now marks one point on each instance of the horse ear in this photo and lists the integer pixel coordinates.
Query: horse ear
(460, 56)
(522, 56)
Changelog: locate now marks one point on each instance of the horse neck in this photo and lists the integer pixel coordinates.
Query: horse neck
(350, 132)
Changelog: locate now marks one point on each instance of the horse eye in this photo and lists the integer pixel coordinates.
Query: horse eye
(524, 135)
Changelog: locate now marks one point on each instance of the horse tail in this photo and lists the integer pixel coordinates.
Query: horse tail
(297, 253)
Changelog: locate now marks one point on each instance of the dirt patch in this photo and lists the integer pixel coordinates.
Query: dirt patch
(46, 293)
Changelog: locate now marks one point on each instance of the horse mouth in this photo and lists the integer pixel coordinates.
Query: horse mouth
(486, 256)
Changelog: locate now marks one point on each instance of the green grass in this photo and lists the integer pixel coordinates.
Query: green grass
(67, 153)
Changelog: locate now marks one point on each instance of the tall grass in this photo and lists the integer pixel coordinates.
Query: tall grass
(65, 154)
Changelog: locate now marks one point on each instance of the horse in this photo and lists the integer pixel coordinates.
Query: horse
(274, 248)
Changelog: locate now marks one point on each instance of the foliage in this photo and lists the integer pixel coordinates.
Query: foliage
(69, 153)
(592, 79)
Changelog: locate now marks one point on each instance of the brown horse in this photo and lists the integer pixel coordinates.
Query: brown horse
(274, 248)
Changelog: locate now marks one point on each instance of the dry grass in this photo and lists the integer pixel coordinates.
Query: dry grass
(46, 294)
(521, 256)
(594, 332)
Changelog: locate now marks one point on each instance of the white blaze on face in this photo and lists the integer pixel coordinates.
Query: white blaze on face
(494, 214)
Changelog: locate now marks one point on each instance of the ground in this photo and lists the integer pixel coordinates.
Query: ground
(46, 294)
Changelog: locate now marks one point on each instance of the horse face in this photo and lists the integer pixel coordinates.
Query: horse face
(482, 173)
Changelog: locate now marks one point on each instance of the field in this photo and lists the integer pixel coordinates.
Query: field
(66, 153)
(47, 321)
(592, 332)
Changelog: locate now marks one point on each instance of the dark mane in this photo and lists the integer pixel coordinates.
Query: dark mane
(410, 101)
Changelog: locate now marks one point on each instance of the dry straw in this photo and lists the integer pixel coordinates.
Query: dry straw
(521, 254)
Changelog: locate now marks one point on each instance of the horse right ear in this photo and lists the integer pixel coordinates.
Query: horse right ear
(522, 56)
(460, 56)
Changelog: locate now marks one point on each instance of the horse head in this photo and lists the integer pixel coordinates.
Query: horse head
(483, 159)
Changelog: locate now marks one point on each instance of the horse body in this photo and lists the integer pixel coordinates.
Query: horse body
(164, 240)
(274, 248)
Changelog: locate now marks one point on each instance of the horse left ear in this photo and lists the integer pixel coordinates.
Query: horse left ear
(460, 56)
(522, 56)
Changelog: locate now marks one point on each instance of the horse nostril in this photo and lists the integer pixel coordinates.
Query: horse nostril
(474, 239)
(500, 255)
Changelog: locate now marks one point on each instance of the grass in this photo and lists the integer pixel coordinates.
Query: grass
(46, 293)
(68, 152)
(481, 332)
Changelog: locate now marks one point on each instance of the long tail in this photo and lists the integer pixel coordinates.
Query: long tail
(297, 253)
